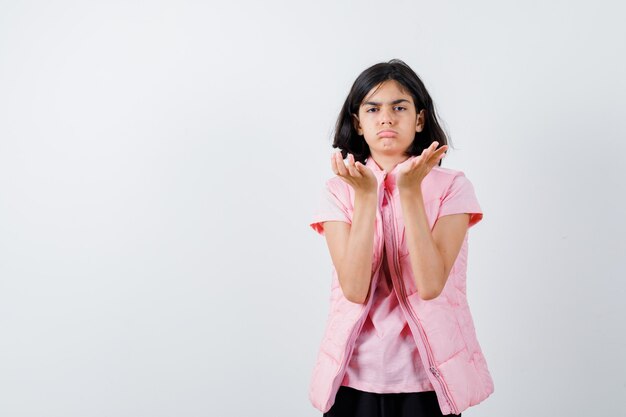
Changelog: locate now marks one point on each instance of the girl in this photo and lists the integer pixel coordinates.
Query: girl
(399, 339)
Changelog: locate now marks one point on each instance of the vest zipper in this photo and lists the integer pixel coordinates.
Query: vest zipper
(433, 369)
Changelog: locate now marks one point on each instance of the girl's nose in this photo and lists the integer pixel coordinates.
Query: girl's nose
(386, 116)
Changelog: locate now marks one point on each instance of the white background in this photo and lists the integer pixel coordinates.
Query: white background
(159, 163)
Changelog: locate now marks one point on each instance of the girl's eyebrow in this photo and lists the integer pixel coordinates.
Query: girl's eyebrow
(374, 103)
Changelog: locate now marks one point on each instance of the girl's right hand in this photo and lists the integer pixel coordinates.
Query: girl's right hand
(360, 177)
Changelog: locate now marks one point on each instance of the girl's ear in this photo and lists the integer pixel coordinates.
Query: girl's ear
(357, 124)
(419, 124)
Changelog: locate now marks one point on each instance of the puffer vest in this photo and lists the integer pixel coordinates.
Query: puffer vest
(442, 327)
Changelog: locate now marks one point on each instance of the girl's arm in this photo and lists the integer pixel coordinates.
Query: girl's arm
(432, 254)
(351, 247)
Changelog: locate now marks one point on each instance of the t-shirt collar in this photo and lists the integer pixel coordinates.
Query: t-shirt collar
(377, 169)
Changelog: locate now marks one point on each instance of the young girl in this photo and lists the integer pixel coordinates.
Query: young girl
(399, 340)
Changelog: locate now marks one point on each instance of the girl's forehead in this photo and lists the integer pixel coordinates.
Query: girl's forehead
(390, 89)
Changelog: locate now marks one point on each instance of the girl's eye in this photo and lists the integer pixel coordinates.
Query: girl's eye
(374, 108)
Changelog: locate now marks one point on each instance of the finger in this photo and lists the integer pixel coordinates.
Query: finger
(435, 153)
(440, 151)
(417, 160)
(426, 153)
(341, 166)
(437, 156)
(336, 162)
(442, 147)
(359, 169)
(364, 170)
(351, 168)
(432, 148)
(349, 164)
(333, 163)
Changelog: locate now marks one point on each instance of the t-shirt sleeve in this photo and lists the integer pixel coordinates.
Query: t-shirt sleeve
(329, 207)
(461, 198)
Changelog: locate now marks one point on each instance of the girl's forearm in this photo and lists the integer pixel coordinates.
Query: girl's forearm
(356, 267)
(426, 261)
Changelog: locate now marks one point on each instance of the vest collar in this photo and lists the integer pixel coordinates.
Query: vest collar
(389, 178)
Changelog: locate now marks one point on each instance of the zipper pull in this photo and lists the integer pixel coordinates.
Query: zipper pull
(434, 371)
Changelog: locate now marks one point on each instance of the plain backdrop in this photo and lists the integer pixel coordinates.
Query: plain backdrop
(160, 162)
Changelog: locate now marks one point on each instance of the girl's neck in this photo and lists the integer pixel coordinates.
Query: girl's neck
(388, 162)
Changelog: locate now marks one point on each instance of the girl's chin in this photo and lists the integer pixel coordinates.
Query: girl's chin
(390, 143)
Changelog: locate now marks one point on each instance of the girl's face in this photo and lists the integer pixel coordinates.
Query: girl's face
(388, 119)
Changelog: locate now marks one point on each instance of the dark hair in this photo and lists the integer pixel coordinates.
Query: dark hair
(349, 141)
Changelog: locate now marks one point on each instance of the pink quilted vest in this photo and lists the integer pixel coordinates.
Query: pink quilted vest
(443, 328)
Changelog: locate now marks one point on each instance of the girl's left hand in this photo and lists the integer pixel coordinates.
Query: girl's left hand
(414, 170)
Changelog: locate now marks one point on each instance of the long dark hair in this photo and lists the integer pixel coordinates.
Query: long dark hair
(349, 141)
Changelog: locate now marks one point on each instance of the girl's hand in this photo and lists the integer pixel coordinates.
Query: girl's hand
(412, 172)
(360, 177)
